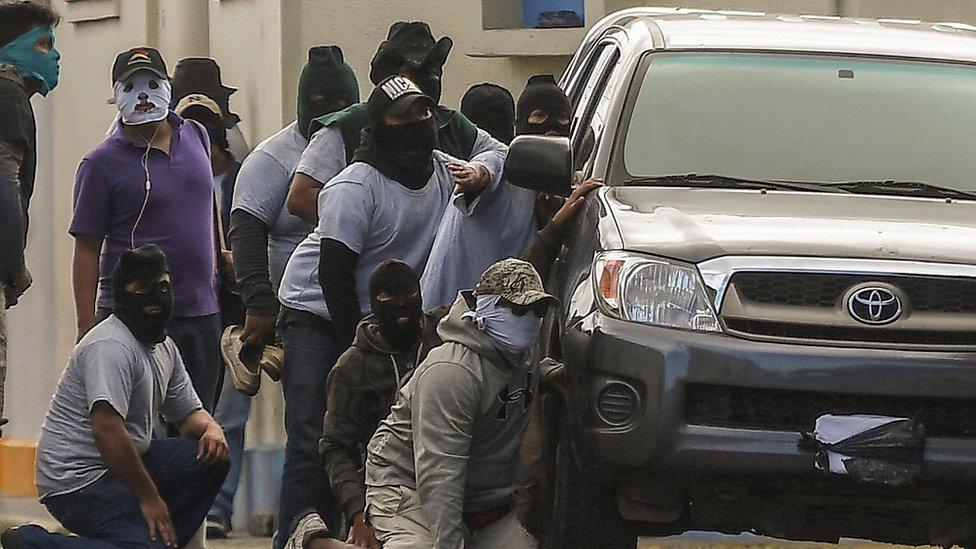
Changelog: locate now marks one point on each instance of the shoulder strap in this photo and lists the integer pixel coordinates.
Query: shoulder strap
(201, 133)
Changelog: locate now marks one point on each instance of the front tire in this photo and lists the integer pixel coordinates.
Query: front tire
(584, 512)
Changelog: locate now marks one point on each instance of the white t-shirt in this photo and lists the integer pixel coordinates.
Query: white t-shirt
(262, 190)
(377, 218)
(139, 381)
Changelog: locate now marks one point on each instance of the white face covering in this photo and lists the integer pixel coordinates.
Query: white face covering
(512, 335)
(142, 98)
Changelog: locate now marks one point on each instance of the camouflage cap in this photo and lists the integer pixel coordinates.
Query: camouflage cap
(515, 280)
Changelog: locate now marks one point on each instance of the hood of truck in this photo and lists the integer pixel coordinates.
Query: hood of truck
(694, 225)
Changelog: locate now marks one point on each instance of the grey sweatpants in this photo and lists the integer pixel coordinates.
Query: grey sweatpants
(394, 511)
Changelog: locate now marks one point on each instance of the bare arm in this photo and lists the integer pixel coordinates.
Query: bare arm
(84, 277)
(303, 198)
(202, 426)
(122, 461)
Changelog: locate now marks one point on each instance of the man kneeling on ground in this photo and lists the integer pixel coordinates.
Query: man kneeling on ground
(99, 470)
(363, 384)
(443, 468)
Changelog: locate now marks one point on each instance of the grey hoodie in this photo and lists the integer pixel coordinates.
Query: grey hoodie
(455, 430)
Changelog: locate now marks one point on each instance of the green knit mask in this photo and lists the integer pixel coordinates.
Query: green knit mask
(327, 85)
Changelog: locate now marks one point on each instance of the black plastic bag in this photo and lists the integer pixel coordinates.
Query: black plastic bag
(874, 449)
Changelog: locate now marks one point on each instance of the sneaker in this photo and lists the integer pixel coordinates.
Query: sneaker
(244, 371)
(307, 527)
(217, 528)
(272, 361)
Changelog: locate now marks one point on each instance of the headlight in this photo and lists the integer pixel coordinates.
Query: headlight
(653, 291)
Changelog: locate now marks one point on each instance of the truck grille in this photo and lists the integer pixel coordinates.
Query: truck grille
(797, 306)
(928, 294)
(797, 411)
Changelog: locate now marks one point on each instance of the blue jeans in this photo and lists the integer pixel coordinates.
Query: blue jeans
(310, 352)
(106, 515)
(232, 412)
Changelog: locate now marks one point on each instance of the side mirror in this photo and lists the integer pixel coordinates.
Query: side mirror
(540, 163)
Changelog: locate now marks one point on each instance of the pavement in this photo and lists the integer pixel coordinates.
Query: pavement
(17, 511)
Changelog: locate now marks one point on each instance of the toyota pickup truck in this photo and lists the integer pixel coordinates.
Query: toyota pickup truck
(787, 230)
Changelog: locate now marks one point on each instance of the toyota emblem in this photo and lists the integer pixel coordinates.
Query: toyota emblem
(874, 305)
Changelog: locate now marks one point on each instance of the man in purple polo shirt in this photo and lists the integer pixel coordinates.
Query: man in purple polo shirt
(150, 182)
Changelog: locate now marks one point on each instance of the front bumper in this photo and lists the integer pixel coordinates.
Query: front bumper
(658, 366)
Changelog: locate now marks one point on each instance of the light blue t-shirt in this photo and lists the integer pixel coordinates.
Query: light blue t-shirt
(262, 189)
(138, 381)
(377, 218)
(498, 224)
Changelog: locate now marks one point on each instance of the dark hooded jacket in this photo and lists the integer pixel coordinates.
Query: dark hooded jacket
(361, 389)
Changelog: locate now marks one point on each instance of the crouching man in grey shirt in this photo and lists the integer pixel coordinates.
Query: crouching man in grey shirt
(99, 470)
(443, 468)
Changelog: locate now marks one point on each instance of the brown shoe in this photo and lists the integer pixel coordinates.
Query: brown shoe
(272, 361)
(244, 370)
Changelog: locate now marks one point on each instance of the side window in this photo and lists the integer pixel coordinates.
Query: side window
(578, 81)
(589, 114)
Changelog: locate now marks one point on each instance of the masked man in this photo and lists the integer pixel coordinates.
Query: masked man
(150, 182)
(492, 108)
(100, 471)
(505, 223)
(29, 64)
(201, 75)
(409, 50)
(263, 235)
(363, 385)
(443, 468)
(386, 205)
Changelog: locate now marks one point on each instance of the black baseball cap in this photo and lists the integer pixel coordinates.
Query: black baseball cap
(394, 96)
(138, 59)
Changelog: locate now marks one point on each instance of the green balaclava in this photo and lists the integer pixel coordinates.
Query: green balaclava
(327, 84)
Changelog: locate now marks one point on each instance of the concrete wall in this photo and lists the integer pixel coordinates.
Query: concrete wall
(261, 45)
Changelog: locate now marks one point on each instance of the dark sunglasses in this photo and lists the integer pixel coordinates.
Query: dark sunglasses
(539, 308)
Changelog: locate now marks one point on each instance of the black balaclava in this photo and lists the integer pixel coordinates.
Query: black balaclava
(410, 50)
(211, 122)
(202, 75)
(542, 92)
(145, 265)
(401, 281)
(327, 75)
(402, 152)
(491, 108)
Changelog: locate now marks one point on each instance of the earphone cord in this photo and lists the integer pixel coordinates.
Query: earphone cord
(145, 167)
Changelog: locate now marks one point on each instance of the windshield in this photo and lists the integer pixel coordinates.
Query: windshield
(804, 118)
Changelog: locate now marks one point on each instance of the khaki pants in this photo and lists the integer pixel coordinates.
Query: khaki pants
(395, 513)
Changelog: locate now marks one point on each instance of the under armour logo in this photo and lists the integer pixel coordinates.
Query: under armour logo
(506, 397)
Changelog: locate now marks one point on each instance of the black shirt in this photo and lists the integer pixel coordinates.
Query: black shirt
(17, 127)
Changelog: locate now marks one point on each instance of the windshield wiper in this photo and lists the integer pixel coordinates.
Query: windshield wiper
(729, 182)
(903, 188)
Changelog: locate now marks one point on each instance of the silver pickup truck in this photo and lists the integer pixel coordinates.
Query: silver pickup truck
(787, 231)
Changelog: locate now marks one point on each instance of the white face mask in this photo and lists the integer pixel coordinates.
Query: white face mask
(512, 335)
(142, 98)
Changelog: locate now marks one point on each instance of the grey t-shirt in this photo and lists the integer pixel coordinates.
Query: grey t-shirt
(325, 155)
(498, 224)
(262, 189)
(140, 382)
(377, 218)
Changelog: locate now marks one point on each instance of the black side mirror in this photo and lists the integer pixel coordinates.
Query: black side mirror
(540, 163)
